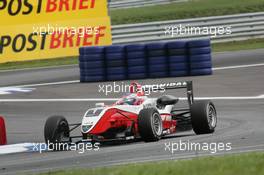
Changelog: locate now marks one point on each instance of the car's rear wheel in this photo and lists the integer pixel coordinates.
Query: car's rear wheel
(203, 117)
(56, 131)
(150, 124)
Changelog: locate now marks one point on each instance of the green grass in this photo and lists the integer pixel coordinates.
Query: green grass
(239, 45)
(244, 164)
(39, 63)
(191, 9)
(220, 47)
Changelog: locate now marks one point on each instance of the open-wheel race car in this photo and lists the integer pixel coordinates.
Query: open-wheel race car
(136, 116)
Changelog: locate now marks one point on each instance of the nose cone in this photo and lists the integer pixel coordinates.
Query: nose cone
(91, 118)
(86, 128)
(88, 123)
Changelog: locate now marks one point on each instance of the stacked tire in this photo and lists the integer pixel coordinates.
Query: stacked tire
(115, 59)
(92, 64)
(200, 57)
(139, 61)
(178, 58)
(136, 61)
(157, 60)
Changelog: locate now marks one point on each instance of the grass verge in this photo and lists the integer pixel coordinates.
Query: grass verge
(39, 63)
(244, 164)
(219, 47)
(190, 9)
(239, 45)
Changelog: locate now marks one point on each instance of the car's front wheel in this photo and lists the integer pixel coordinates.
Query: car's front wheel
(56, 130)
(203, 117)
(150, 124)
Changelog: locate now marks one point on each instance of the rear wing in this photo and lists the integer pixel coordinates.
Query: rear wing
(173, 85)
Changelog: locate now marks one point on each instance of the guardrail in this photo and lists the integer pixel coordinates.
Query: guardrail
(243, 26)
(114, 4)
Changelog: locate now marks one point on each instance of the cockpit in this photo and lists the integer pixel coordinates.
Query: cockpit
(130, 99)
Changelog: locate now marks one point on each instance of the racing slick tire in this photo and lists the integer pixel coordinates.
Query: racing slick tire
(203, 117)
(56, 131)
(150, 125)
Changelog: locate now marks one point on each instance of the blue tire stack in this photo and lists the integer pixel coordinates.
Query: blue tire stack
(139, 61)
(200, 57)
(115, 61)
(178, 58)
(91, 63)
(136, 61)
(157, 60)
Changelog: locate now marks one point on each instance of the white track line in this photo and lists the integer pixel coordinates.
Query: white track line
(115, 99)
(238, 66)
(14, 148)
(60, 100)
(40, 68)
(77, 81)
(231, 98)
(49, 84)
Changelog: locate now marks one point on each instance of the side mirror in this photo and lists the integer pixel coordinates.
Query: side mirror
(167, 100)
(99, 105)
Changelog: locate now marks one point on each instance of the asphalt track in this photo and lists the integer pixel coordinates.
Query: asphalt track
(236, 91)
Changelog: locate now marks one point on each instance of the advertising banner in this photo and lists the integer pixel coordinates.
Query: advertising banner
(42, 29)
(57, 39)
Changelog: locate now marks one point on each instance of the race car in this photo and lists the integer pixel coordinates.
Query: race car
(137, 116)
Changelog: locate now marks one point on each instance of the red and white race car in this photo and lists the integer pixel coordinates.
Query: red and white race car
(138, 116)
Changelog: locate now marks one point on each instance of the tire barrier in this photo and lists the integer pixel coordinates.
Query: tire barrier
(115, 60)
(3, 140)
(139, 61)
(200, 58)
(178, 59)
(136, 55)
(92, 64)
